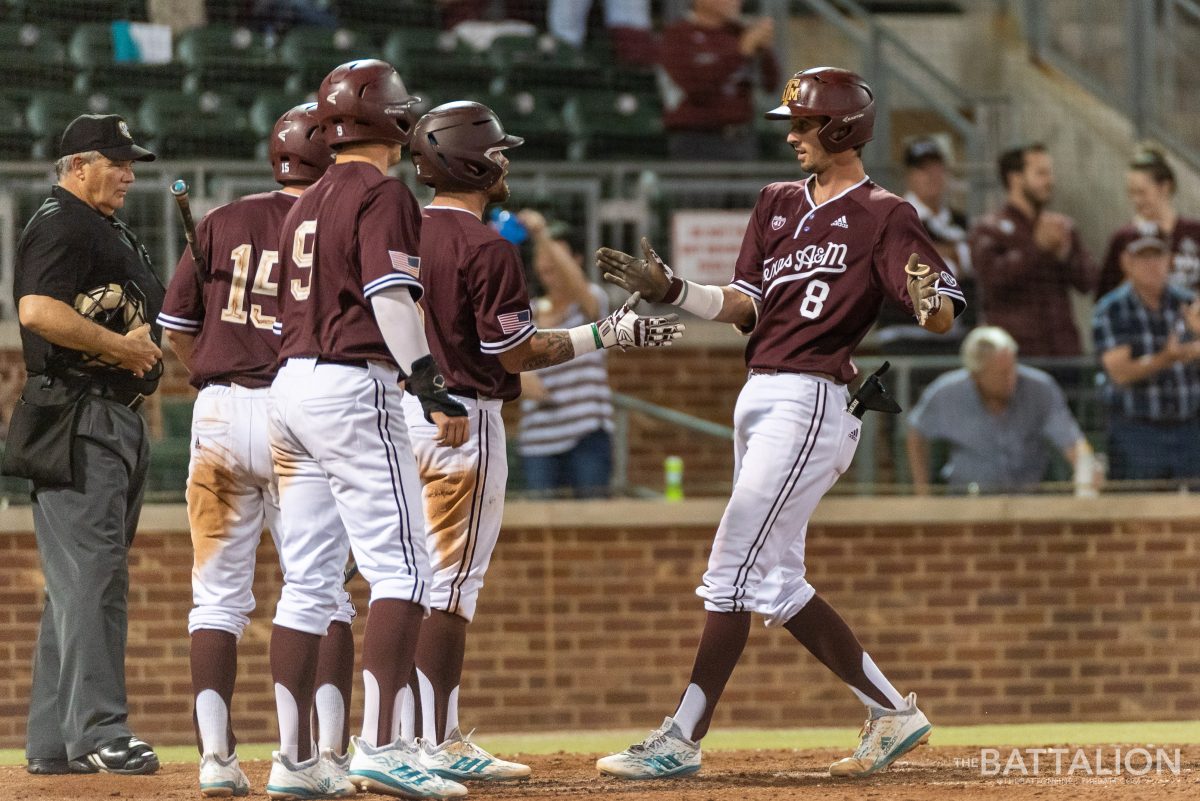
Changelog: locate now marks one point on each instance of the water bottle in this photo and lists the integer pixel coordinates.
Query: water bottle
(673, 479)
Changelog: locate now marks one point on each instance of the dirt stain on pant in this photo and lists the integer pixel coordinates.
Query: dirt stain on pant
(210, 490)
(448, 501)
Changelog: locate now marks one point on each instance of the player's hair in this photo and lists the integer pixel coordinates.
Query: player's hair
(1150, 159)
(984, 341)
(1013, 160)
(63, 165)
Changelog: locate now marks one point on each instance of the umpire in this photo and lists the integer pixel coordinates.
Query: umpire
(84, 289)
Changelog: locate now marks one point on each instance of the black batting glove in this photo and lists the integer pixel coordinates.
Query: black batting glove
(428, 385)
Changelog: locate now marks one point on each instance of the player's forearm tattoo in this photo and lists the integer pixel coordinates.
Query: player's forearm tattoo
(548, 349)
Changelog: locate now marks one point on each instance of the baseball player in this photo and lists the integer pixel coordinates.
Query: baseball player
(348, 286)
(478, 322)
(218, 317)
(818, 258)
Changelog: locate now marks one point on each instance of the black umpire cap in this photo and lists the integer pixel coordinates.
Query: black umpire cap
(106, 133)
(922, 150)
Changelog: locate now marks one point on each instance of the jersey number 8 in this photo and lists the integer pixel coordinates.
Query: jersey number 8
(815, 295)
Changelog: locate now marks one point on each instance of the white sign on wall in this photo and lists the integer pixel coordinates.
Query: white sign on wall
(705, 244)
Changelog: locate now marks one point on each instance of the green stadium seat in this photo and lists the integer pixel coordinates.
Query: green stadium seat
(196, 126)
(231, 60)
(91, 52)
(65, 15)
(379, 19)
(168, 468)
(432, 61)
(177, 418)
(14, 138)
(32, 57)
(539, 119)
(48, 114)
(608, 124)
(559, 73)
(268, 107)
(312, 53)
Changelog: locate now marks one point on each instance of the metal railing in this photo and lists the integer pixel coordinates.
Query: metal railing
(1137, 55)
(624, 407)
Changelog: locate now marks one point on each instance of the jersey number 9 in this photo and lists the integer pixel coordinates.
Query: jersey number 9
(302, 256)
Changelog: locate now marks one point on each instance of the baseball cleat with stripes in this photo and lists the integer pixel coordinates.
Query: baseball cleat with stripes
(395, 769)
(887, 735)
(666, 753)
(462, 760)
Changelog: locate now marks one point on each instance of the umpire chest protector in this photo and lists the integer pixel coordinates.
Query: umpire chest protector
(68, 249)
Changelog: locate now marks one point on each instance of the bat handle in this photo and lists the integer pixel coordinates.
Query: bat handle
(179, 188)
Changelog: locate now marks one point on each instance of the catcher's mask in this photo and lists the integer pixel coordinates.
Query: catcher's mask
(119, 308)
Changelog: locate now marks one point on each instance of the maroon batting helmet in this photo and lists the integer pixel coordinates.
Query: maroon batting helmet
(298, 151)
(365, 101)
(840, 95)
(452, 147)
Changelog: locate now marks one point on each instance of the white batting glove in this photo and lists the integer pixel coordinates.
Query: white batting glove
(625, 329)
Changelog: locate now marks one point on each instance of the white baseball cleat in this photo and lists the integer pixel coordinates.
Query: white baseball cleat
(462, 760)
(395, 769)
(319, 777)
(886, 736)
(664, 754)
(222, 778)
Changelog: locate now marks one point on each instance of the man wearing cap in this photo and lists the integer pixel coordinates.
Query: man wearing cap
(925, 189)
(1146, 333)
(81, 442)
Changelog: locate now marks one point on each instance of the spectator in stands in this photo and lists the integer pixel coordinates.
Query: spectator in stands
(1150, 184)
(713, 59)
(565, 435)
(628, 23)
(925, 183)
(1146, 334)
(1026, 259)
(999, 419)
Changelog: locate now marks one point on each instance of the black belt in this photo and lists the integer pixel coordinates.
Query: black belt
(363, 363)
(133, 401)
(244, 381)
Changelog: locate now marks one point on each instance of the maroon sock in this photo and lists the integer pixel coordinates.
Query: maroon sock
(440, 659)
(214, 667)
(821, 630)
(335, 665)
(294, 666)
(721, 645)
(389, 644)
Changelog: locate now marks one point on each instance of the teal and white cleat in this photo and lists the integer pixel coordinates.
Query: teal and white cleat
(222, 778)
(665, 754)
(319, 777)
(395, 769)
(886, 736)
(462, 760)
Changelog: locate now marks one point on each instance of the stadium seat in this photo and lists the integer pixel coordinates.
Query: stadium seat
(231, 60)
(49, 112)
(196, 126)
(91, 51)
(379, 19)
(608, 124)
(431, 61)
(168, 469)
(268, 107)
(559, 72)
(312, 52)
(539, 119)
(32, 57)
(177, 417)
(14, 138)
(65, 15)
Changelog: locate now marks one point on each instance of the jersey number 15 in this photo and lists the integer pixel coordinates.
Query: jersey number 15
(234, 311)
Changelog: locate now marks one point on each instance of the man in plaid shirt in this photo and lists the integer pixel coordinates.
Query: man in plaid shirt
(1146, 334)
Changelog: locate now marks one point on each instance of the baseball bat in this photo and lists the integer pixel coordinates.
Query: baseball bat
(180, 190)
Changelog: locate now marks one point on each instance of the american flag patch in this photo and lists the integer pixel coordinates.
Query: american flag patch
(514, 321)
(404, 263)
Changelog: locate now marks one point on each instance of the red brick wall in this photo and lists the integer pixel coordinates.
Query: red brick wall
(595, 627)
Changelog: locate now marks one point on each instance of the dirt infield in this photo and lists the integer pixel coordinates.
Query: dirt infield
(931, 774)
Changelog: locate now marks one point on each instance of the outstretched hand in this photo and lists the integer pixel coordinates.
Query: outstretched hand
(649, 275)
(922, 289)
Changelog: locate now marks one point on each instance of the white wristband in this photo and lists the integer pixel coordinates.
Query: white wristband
(585, 338)
(703, 300)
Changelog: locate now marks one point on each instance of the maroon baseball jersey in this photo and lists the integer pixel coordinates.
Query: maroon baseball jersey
(229, 303)
(1025, 290)
(1185, 255)
(355, 232)
(476, 304)
(819, 274)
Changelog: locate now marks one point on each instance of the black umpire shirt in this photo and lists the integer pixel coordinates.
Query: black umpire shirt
(67, 248)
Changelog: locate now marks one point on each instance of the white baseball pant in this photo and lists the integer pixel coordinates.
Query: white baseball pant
(340, 429)
(793, 439)
(232, 494)
(463, 491)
